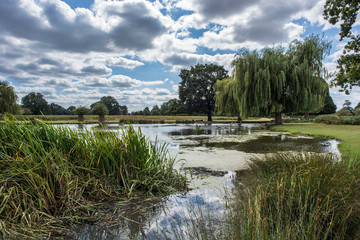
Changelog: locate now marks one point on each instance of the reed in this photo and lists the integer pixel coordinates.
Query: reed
(50, 176)
(298, 196)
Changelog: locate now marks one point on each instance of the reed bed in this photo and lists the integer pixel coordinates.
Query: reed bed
(52, 176)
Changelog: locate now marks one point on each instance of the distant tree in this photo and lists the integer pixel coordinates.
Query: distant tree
(347, 106)
(196, 90)
(357, 111)
(8, 99)
(81, 111)
(112, 104)
(329, 105)
(155, 111)
(146, 111)
(94, 104)
(172, 107)
(56, 109)
(123, 110)
(25, 111)
(346, 11)
(36, 103)
(71, 109)
(101, 110)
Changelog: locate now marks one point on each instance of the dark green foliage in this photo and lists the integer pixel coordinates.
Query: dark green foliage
(347, 105)
(146, 111)
(329, 105)
(112, 105)
(345, 12)
(196, 90)
(172, 107)
(82, 111)
(101, 110)
(56, 109)
(52, 175)
(36, 103)
(155, 111)
(8, 99)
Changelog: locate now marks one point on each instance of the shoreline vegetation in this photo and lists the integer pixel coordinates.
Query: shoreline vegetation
(54, 176)
(133, 119)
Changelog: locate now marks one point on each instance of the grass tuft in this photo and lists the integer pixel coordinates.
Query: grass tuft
(50, 176)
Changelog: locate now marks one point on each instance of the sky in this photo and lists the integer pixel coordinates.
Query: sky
(76, 51)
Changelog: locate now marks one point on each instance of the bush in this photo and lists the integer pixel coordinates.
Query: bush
(329, 119)
(357, 111)
(344, 112)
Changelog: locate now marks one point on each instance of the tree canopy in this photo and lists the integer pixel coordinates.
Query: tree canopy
(345, 12)
(196, 90)
(36, 103)
(8, 99)
(275, 81)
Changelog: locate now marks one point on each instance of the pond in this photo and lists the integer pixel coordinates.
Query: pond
(213, 154)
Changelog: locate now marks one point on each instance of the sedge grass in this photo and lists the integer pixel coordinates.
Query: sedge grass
(53, 175)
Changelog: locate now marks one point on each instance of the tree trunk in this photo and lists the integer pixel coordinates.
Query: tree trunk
(80, 118)
(239, 120)
(307, 116)
(101, 118)
(209, 116)
(278, 119)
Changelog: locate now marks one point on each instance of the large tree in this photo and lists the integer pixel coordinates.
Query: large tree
(345, 12)
(56, 109)
(196, 89)
(226, 97)
(112, 105)
(272, 81)
(101, 110)
(8, 99)
(36, 103)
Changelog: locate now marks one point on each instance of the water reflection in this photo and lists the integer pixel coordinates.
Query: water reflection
(213, 153)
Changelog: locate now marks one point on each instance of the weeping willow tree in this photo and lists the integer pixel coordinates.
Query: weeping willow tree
(274, 81)
(226, 98)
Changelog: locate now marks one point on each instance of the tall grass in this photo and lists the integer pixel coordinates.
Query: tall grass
(51, 175)
(298, 196)
(284, 196)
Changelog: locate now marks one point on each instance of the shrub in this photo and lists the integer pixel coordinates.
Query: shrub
(357, 111)
(344, 112)
(329, 119)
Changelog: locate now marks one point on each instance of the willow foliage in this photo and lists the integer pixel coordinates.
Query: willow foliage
(275, 81)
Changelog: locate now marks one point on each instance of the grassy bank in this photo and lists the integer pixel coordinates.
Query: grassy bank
(64, 119)
(52, 176)
(349, 135)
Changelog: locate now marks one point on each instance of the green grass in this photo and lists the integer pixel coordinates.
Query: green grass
(72, 119)
(51, 176)
(349, 135)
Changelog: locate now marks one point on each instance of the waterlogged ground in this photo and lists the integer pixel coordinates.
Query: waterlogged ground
(213, 154)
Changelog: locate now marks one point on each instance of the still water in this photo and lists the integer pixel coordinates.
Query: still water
(213, 153)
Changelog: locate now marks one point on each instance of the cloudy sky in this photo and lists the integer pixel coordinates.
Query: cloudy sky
(76, 51)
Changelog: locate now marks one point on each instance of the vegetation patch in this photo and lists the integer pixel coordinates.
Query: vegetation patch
(347, 134)
(52, 176)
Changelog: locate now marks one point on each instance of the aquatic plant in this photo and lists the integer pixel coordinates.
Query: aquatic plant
(51, 175)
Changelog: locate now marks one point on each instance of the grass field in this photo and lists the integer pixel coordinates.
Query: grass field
(349, 135)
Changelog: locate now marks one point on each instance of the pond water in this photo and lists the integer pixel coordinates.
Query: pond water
(214, 153)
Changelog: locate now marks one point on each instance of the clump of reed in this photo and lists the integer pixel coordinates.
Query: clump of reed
(51, 175)
(298, 196)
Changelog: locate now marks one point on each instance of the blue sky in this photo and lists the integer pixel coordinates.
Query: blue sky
(75, 52)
